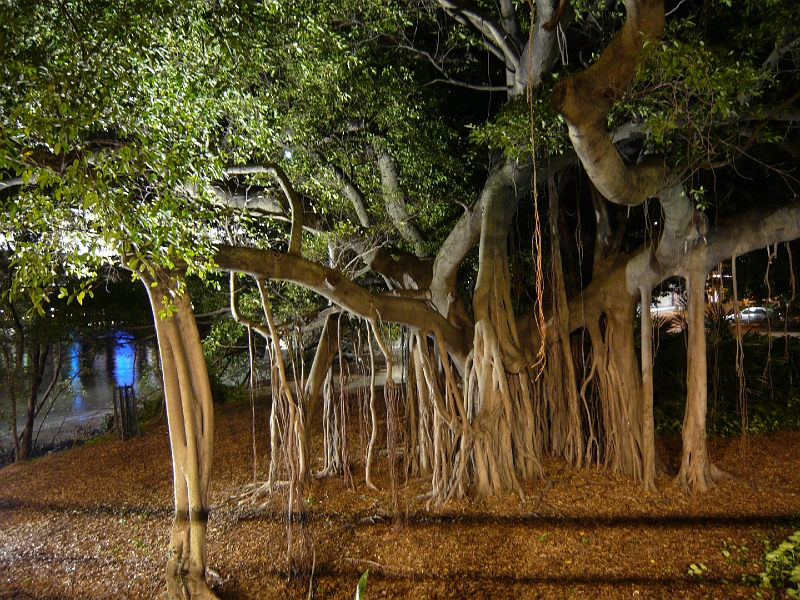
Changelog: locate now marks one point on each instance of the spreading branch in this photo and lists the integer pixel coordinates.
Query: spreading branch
(296, 205)
(488, 27)
(331, 284)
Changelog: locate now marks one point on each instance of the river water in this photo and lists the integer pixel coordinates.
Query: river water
(83, 403)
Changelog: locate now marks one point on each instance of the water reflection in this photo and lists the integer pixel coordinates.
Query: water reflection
(90, 370)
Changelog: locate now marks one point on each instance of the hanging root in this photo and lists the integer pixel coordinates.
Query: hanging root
(373, 414)
(443, 431)
(390, 394)
(288, 470)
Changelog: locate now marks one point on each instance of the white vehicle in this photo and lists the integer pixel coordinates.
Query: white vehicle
(751, 315)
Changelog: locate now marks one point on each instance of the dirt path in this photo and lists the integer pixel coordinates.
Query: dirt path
(93, 523)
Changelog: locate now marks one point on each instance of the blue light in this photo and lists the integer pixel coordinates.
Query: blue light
(124, 361)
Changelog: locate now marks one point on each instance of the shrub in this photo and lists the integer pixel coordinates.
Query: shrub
(782, 567)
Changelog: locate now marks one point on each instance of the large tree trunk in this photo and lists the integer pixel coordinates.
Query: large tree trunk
(507, 437)
(190, 415)
(566, 432)
(606, 310)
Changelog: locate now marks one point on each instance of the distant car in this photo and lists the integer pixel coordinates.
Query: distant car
(751, 314)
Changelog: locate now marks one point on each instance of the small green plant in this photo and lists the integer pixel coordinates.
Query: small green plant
(782, 567)
(735, 554)
(697, 570)
(543, 537)
(361, 589)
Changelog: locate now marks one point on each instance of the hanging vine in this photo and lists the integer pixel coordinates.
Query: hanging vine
(741, 384)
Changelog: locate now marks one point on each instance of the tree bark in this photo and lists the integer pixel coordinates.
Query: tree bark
(648, 421)
(585, 100)
(190, 416)
(330, 283)
(695, 472)
(498, 385)
(395, 204)
(566, 434)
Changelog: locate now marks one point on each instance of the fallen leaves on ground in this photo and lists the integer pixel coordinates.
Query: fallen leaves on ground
(94, 522)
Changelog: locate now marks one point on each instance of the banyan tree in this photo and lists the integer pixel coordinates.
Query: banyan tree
(464, 170)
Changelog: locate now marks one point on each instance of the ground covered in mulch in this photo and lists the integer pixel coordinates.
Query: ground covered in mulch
(94, 522)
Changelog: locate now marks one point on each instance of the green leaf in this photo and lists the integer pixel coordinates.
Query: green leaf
(361, 589)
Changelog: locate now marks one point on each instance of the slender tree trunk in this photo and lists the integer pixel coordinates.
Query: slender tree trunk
(190, 416)
(14, 374)
(648, 422)
(38, 358)
(695, 472)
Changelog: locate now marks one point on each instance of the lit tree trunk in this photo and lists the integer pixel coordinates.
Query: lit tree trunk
(566, 433)
(695, 470)
(497, 380)
(585, 101)
(190, 415)
(610, 327)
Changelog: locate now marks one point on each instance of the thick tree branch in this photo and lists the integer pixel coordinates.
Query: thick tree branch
(354, 194)
(331, 284)
(395, 201)
(541, 50)
(734, 236)
(510, 23)
(586, 99)
(750, 230)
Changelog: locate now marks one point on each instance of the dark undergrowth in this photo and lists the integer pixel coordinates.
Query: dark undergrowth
(771, 380)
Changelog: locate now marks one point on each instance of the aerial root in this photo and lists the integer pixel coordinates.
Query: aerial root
(718, 474)
(251, 493)
(707, 482)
